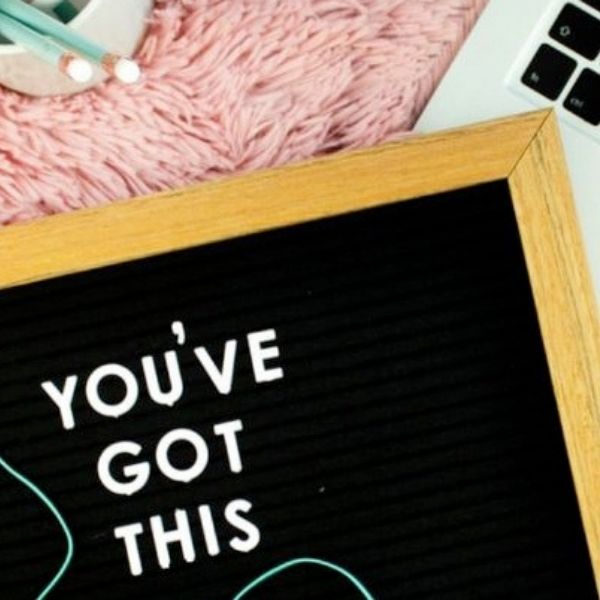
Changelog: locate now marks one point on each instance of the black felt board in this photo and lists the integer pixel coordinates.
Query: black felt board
(414, 438)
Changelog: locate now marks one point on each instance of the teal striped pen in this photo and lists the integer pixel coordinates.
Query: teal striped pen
(124, 69)
(48, 50)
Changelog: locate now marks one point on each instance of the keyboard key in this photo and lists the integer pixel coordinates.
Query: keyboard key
(584, 99)
(577, 30)
(549, 72)
(593, 3)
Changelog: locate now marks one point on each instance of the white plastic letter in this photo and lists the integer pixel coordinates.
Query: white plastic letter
(170, 397)
(63, 399)
(259, 354)
(208, 527)
(129, 533)
(131, 390)
(181, 534)
(222, 378)
(138, 473)
(175, 473)
(228, 431)
(252, 538)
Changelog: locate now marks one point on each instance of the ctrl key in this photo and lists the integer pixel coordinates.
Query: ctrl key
(549, 72)
(584, 98)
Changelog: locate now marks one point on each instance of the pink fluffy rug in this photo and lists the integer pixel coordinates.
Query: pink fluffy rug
(230, 86)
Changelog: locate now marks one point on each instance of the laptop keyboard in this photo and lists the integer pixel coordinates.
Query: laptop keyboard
(565, 67)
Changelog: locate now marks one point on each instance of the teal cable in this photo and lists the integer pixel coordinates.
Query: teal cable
(52, 508)
(304, 561)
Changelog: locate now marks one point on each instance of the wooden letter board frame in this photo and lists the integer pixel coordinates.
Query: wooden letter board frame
(524, 151)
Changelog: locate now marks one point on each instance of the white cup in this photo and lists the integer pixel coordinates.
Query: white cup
(118, 25)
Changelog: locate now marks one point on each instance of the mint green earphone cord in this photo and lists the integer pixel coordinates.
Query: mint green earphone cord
(63, 524)
(304, 561)
(252, 585)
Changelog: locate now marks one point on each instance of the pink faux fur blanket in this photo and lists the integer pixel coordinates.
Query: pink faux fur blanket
(230, 86)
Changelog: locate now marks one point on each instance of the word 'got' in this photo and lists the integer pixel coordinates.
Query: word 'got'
(134, 475)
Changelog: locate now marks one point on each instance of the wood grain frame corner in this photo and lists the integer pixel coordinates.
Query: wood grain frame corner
(524, 151)
(567, 310)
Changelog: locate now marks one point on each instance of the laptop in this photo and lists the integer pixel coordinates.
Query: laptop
(528, 54)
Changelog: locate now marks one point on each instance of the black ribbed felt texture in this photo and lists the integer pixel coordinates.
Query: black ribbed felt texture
(414, 438)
